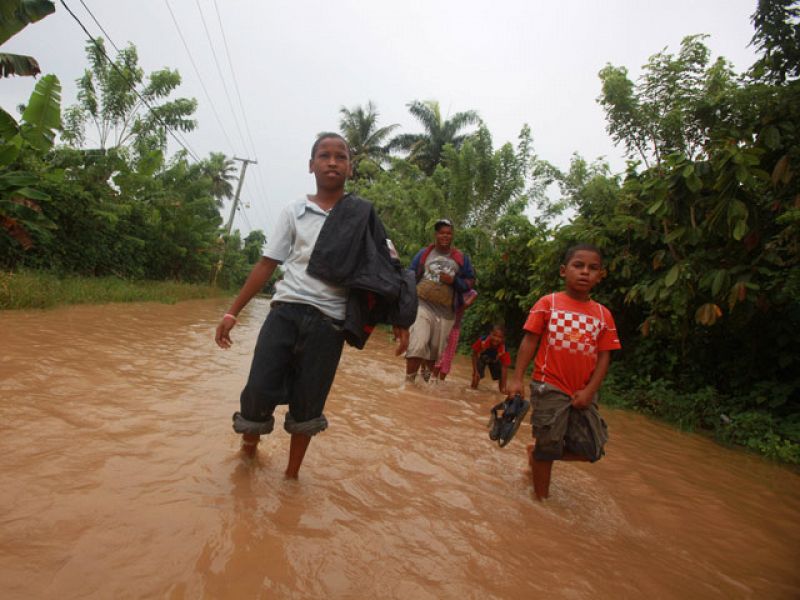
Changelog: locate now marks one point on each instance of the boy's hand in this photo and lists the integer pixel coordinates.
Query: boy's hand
(476, 378)
(223, 334)
(401, 336)
(582, 399)
(514, 387)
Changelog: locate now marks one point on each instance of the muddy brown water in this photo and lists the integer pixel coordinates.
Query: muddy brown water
(121, 479)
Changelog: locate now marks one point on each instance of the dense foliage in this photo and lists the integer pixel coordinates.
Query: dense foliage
(118, 207)
(700, 231)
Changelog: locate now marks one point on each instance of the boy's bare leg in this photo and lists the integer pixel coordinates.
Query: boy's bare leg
(297, 451)
(540, 473)
(250, 443)
(412, 366)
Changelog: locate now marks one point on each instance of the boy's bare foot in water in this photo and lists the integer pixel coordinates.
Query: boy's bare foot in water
(297, 450)
(249, 444)
(540, 473)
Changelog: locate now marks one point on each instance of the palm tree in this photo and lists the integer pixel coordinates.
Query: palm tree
(425, 149)
(220, 170)
(359, 127)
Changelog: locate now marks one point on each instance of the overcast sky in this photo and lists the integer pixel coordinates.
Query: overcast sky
(298, 61)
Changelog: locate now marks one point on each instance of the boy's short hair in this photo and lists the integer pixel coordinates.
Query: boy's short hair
(324, 136)
(577, 248)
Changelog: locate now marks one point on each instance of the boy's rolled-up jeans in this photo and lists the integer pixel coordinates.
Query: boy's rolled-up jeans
(294, 363)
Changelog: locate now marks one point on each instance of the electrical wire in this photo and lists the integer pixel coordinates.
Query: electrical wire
(256, 207)
(132, 87)
(200, 79)
(247, 127)
(221, 76)
(261, 192)
(111, 41)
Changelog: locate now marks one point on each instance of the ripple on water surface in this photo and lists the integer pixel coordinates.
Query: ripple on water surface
(122, 479)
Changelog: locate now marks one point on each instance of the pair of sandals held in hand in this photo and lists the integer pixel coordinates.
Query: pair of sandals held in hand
(506, 418)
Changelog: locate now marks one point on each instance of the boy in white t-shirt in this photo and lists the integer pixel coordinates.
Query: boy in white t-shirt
(300, 343)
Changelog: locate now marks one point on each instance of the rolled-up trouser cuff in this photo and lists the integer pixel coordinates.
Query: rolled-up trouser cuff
(310, 427)
(242, 425)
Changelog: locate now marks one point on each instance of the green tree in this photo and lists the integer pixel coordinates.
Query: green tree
(426, 149)
(367, 141)
(703, 257)
(253, 244)
(221, 170)
(125, 110)
(777, 36)
(20, 196)
(482, 184)
(676, 104)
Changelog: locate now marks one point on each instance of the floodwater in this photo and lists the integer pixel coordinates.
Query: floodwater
(121, 479)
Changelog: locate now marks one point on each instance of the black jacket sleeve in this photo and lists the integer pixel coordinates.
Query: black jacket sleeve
(352, 251)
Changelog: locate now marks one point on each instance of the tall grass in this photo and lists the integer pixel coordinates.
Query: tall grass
(38, 289)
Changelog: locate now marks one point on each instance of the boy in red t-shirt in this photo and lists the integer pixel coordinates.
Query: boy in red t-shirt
(490, 351)
(577, 336)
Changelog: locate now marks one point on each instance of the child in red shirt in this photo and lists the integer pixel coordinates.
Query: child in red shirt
(571, 337)
(490, 351)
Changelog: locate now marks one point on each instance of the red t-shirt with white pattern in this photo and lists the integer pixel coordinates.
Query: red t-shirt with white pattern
(572, 333)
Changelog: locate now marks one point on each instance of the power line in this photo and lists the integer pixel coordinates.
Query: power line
(264, 219)
(200, 78)
(247, 127)
(261, 193)
(246, 219)
(185, 146)
(221, 76)
(105, 33)
(111, 41)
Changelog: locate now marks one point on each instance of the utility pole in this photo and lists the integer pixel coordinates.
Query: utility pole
(229, 226)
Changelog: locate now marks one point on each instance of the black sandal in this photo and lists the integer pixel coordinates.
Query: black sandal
(504, 427)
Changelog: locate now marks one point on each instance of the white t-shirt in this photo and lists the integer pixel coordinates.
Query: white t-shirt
(291, 245)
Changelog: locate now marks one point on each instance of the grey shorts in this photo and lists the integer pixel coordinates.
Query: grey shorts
(557, 426)
(428, 335)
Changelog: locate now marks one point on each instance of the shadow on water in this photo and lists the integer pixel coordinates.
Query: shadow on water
(121, 478)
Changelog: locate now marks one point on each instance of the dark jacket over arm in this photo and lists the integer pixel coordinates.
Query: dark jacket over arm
(352, 251)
